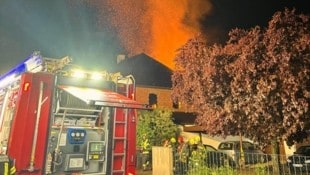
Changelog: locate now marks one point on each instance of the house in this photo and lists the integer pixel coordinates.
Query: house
(153, 84)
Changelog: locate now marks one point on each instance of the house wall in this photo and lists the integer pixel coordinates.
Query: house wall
(163, 97)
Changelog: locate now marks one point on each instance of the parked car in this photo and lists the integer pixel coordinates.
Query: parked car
(216, 158)
(252, 154)
(300, 160)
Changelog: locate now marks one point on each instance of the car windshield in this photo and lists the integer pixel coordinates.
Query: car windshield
(248, 146)
(245, 146)
(226, 146)
(209, 148)
(303, 150)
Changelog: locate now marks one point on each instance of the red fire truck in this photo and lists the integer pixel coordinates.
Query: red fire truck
(56, 120)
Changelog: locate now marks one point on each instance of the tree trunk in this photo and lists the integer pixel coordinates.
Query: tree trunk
(276, 157)
(241, 160)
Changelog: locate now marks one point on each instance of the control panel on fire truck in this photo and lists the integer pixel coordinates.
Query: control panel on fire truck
(95, 151)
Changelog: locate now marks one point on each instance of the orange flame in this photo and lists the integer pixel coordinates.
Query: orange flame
(155, 27)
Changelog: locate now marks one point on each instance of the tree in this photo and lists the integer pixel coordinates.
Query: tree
(287, 42)
(257, 85)
(157, 125)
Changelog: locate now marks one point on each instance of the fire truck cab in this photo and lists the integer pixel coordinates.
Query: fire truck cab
(54, 120)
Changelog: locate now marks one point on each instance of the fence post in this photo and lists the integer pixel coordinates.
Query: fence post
(162, 160)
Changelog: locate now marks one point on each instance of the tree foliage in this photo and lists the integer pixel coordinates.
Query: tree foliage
(256, 85)
(156, 125)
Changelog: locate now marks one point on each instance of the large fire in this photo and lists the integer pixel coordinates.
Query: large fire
(155, 27)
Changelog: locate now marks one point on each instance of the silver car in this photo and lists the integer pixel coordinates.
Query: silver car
(252, 154)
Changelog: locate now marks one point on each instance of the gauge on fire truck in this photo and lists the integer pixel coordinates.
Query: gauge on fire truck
(95, 151)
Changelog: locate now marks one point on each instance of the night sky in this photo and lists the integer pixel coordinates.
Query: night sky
(83, 30)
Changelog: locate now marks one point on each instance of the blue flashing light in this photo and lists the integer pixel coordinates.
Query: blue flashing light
(32, 62)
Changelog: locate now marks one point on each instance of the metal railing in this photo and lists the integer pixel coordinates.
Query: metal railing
(219, 163)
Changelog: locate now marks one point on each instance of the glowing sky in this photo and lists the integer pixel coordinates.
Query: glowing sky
(94, 32)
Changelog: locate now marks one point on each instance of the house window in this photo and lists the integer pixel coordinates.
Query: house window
(176, 105)
(153, 100)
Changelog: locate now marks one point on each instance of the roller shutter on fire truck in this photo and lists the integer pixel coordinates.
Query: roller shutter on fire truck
(52, 123)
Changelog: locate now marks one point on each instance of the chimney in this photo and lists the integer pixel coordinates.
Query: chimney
(120, 58)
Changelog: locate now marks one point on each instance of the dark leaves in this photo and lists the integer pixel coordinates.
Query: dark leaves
(257, 84)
